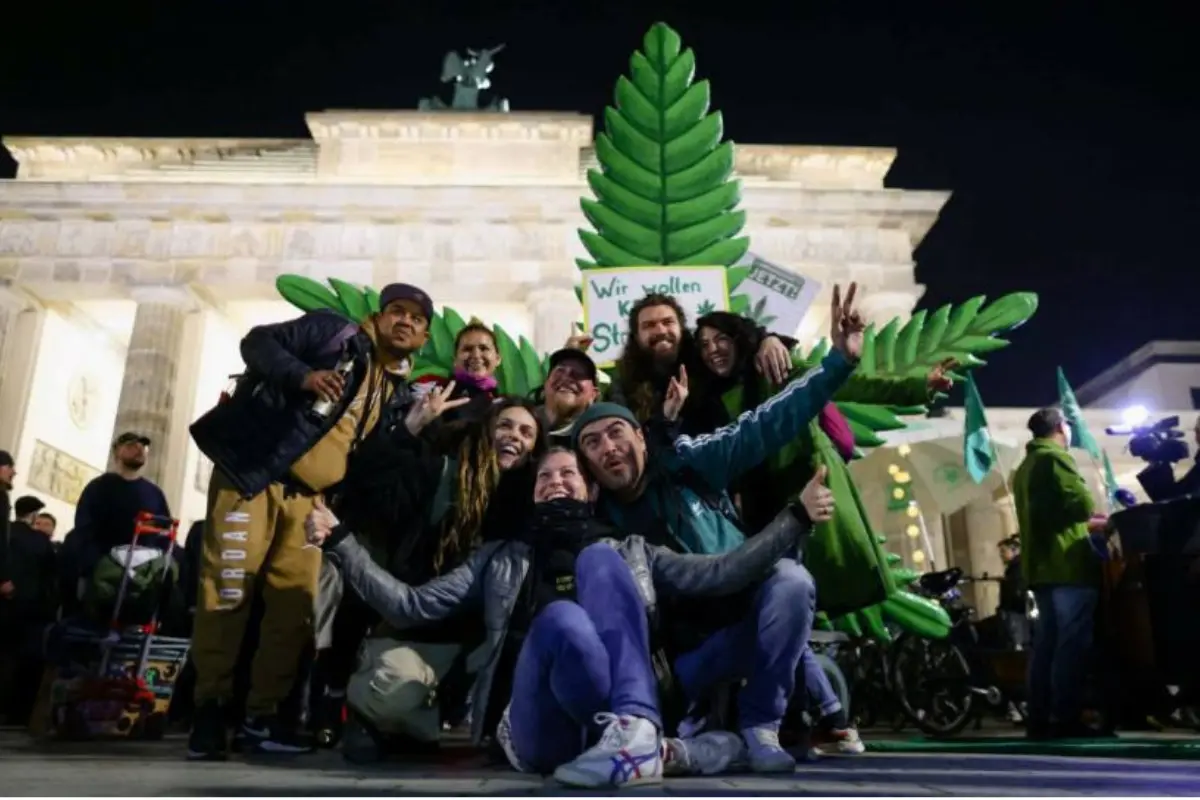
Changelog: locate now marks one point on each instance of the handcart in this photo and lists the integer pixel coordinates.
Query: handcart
(115, 680)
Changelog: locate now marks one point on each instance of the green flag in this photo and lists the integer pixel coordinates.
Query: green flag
(978, 453)
(1080, 436)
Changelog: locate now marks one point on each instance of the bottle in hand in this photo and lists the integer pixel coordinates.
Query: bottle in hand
(322, 408)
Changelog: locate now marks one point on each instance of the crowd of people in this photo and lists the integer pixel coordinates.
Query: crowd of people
(603, 582)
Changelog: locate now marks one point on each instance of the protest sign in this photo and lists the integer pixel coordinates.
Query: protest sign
(779, 298)
(609, 294)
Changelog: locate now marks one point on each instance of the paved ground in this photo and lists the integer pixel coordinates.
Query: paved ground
(158, 769)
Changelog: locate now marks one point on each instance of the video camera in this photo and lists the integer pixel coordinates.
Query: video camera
(1160, 445)
(1157, 443)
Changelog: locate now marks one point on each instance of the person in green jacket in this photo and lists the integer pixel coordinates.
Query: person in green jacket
(844, 556)
(1060, 563)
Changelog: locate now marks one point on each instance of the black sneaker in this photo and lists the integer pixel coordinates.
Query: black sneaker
(209, 740)
(269, 735)
(329, 720)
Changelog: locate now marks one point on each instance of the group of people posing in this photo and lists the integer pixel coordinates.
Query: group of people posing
(604, 584)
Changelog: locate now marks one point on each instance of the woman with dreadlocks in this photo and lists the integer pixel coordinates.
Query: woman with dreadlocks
(845, 545)
(421, 514)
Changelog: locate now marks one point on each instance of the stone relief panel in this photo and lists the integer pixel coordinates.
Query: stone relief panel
(59, 474)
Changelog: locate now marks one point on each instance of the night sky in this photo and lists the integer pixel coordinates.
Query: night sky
(1070, 136)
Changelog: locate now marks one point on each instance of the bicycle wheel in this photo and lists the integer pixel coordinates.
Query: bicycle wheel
(932, 681)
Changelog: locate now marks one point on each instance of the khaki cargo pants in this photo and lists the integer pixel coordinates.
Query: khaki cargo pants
(395, 687)
(252, 543)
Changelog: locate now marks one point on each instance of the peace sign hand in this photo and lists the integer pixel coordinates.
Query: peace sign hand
(846, 324)
(431, 406)
(677, 394)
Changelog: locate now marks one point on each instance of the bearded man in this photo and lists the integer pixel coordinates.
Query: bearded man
(659, 346)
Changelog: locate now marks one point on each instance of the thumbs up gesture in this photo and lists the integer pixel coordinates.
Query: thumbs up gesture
(816, 497)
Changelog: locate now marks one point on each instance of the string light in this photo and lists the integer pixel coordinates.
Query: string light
(901, 498)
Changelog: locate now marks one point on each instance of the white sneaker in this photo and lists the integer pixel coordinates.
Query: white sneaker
(710, 753)
(629, 753)
(765, 752)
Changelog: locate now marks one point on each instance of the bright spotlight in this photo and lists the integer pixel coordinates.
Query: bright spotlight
(1134, 416)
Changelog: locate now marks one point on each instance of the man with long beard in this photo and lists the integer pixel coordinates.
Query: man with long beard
(659, 347)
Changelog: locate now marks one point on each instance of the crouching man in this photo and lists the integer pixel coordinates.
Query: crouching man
(567, 658)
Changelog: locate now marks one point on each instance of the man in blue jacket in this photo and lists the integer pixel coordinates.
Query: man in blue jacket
(314, 387)
(677, 498)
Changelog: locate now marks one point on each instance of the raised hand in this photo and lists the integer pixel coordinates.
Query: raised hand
(846, 324)
(677, 394)
(773, 360)
(578, 340)
(319, 523)
(816, 497)
(938, 379)
(431, 406)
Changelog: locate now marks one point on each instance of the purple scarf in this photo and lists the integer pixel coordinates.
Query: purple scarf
(483, 383)
(838, 430)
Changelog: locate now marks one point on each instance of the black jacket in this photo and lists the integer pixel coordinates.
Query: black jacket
(256, 435)
(5, 512)
(33, 573)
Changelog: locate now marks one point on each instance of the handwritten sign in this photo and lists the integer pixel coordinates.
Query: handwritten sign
(609, 295)
(779, 297)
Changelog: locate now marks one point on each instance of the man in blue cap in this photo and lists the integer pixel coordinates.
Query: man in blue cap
(313, 388)
(677, 498)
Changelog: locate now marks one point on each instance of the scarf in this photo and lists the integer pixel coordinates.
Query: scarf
(563, 524)
(482, 383)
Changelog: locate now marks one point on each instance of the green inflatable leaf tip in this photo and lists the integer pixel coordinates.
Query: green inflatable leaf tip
(663, 193)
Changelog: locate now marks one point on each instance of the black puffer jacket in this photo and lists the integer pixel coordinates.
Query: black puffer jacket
(255, 436)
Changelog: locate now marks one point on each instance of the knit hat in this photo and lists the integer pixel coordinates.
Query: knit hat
(597, 411)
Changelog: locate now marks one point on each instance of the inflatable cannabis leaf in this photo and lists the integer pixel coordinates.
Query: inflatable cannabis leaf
(521, 368)
(912, 349)
(663, 193)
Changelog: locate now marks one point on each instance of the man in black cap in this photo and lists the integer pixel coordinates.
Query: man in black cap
(109, 505)
(314, 387)
(570, 388)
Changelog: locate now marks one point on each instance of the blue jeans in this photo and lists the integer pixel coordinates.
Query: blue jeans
(764, 649)
(1062, 643)
(819, 691)
(582, 658)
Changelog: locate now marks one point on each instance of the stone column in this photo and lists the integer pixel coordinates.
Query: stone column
(988, 521)
(150, 383)
(21, 324)
(555, 310)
